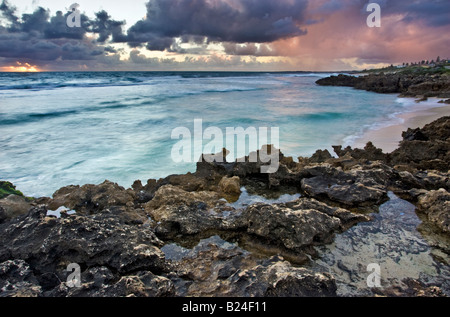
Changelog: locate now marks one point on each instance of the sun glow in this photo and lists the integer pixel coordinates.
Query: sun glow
(21, 67)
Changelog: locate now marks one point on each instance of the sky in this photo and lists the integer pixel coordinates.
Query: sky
(238, 35)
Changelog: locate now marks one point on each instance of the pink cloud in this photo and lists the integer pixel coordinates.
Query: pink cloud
(344, 34)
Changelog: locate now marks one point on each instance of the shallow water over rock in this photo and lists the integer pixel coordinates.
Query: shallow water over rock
(247, 198)
(391, 240)
(176, 252)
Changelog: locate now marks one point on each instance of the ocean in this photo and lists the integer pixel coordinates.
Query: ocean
(59, 129)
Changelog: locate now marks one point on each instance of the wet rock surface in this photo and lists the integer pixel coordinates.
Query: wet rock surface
(308, 229)
(391, 241)
(295, 225)
(215, 266)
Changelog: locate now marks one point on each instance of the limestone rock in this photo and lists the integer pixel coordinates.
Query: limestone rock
(358, 187)
(230, 188)
(176, 211)
(320, 156)
(425, 149)
(290, 226)
(14, 206)
(436, 205)
(91, 198)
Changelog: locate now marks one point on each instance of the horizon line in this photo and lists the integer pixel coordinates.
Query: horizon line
(179, 71)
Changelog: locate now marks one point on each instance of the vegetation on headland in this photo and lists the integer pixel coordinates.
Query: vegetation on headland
(424, 67)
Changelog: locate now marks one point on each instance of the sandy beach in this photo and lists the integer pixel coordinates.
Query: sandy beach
(388, 138)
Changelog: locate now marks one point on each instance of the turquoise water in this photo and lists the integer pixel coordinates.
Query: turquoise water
(59, 129)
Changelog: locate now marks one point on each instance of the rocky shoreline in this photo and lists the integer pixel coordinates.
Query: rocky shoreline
(424, 85)
(183, 236)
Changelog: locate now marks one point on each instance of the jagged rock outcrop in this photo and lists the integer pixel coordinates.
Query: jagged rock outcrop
(48, 245)
(177, 212)
(298, 225)
(425, 149)
(369, 153)
(91, 198)
(409, 85)
(361, 186)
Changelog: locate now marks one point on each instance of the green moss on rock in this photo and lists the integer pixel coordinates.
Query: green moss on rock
(7, 188)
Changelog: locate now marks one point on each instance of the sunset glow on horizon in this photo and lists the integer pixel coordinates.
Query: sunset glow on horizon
(20, 68)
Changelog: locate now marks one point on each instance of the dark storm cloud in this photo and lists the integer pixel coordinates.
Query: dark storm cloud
(259, 21)
(8, 13)
(40, 25)
(106, 28)
(434, 13)
(41, 37)
(237, 21)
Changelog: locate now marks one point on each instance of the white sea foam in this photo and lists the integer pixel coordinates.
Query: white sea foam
(406, 107)
(57, 213)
